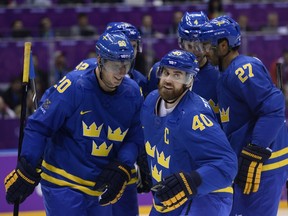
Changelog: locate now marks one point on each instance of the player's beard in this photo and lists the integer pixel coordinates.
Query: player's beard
(170, 94)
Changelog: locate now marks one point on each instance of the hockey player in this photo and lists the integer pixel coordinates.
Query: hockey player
(88, 131)
(252, 114)
(191, 160)
(142, 177)
(188, 40)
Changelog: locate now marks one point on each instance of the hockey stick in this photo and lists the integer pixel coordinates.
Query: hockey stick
(279, 76)
(25, 83)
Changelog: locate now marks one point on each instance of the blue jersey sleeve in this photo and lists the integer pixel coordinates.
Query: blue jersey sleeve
(134, 140)
(207, 144)
(56, 105)
(253, 85)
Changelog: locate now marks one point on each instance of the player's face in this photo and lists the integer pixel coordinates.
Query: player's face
(211, 53)
(114, 72)
(171, 84)
(194, 47)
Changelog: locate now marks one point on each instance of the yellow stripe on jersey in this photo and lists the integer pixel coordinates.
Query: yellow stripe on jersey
(279, 153)
(67, 175)
(69, 184)
(278, 164)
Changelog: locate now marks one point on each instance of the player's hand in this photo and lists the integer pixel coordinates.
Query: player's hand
(20, 183)
(112, 181)
(176, 189)
(250, 167)
(144, 183)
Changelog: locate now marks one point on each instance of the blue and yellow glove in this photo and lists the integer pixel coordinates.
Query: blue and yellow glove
(250, 165)
(21, 182)
(176, 189)
(112, 181)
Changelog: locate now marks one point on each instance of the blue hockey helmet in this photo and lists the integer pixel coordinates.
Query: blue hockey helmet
(222, 27)
(180, 60)
(114, 47)
(189, 26)
(128, 29)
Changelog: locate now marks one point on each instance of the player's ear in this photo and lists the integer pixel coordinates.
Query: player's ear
(224, 44)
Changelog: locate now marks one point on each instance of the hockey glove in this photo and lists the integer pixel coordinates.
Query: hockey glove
(250, 167)
(112, 182)
(20, 183)
(144, 177)
(176, 189)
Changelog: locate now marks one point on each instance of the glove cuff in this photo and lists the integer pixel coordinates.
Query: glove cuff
(191, 181)
(126, 170)
(258, 153)
(27, 172)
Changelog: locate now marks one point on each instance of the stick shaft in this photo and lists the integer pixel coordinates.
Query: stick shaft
(25, 80)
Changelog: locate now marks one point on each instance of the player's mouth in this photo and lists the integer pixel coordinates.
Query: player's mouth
(168, 87)
(118, 79)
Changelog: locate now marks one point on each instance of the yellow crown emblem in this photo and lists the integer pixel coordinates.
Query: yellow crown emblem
(214, 106)
(224, 115)
(102, 150)
(157, 175)
(92, 130)
(150, 151)
(116, 135)
(162, 160)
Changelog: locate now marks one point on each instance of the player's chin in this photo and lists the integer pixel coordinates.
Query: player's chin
(117, 81)
(166, 92)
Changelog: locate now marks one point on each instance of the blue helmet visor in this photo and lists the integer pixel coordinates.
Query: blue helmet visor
(207, 46)
(174, 74)
(117, 67)
(193, 46)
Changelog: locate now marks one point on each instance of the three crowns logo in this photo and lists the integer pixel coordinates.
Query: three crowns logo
(102, 150)
(116, 135)
(162, 160)
(224, 114)
(92, 130)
